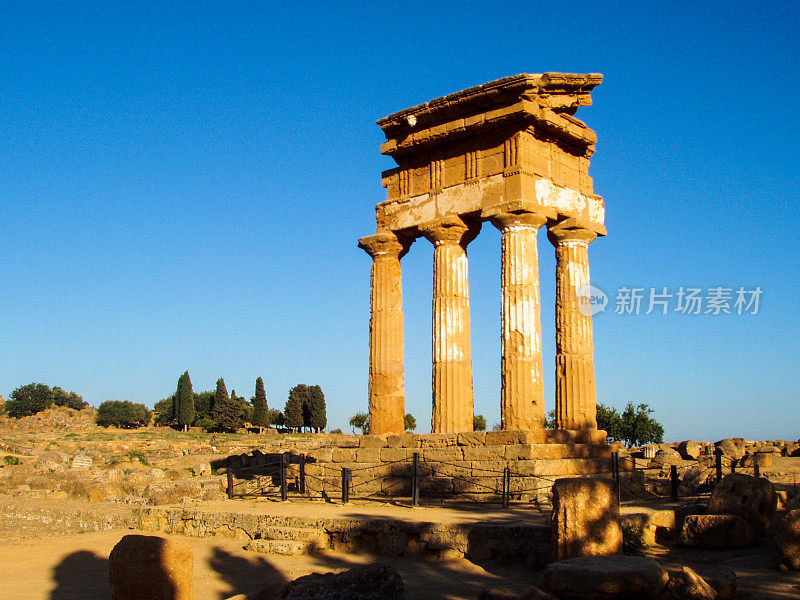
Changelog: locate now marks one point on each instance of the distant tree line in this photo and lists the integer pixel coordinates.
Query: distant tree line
(224, 412)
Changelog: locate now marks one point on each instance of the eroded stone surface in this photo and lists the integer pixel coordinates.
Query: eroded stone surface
(787, 538)
(605, 577)
(369, 582)
(688, 585)
(585, 518)
(716, 531)
(752, 498)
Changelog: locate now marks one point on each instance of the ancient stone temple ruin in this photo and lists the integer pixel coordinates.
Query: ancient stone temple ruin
(509, 152)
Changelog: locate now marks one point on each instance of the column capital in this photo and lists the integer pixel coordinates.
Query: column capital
(508, 221)
(385, 243)
(568, 232)
(450, 230)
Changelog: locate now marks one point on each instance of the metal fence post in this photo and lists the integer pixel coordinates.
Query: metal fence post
(345, 485)
(229, 473)
(415, 480)
(756, 466)
(615, 474)
(673, 478)
(733, 466)
(718, 454)
(284, 490)
(302, 483)
(506, 486)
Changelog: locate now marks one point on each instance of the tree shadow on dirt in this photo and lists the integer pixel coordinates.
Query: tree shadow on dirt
(246, 576)
(82, 575)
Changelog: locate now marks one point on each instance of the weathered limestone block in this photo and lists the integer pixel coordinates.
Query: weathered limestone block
(721, 578)
(666, 457)
(484, 452)
(343, 455)
(369, 582)
(605, 578)
(373, 441)
(690, 450)
(752, 498)
(368, 455)
(585, 518)
(395, 454)
(688, 585)
(471, 438)
(716, 531)
(787, 538)
(403, 441)
(450, 454)
(731, 447)
(346, 441)
(437, 440)
(151, 567)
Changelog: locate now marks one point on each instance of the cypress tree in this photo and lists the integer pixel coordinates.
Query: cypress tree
(227, 411)
(293, 413)
(318, 417)
(184, 401)
(260, 417)
(220, 399)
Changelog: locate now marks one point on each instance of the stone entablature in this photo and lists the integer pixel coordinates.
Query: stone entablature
(509, 152)
(509, 145)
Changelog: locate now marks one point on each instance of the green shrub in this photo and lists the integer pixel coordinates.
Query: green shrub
(11, 460)
(70, 400)
(206, 423)
(29, 400)
(124, 414)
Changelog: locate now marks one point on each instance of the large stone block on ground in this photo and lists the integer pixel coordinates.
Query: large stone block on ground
(787, 538)
(690, 450)
(731, 447)
(369, 582)
(605, 577)
(688, 585)
(142, 566)
(716, 531)
(752, 498)
(585, 518)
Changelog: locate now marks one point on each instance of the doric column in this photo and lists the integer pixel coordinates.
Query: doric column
(452, 359)
(386, 373)
(522, 395)
(576, 407)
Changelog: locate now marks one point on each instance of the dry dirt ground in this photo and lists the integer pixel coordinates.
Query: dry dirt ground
(75, 567)
(42, 566)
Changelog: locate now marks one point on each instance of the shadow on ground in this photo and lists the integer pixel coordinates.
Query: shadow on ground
(81, 575)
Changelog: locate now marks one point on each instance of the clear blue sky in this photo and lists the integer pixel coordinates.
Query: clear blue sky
(182, 187)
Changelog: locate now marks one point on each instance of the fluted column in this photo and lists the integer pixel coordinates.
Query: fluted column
(386, 373)
(452, 358)
(576, 407)
(522, 394)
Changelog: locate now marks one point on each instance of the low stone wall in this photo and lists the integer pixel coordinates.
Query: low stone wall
(20, 518)
(383, 536)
